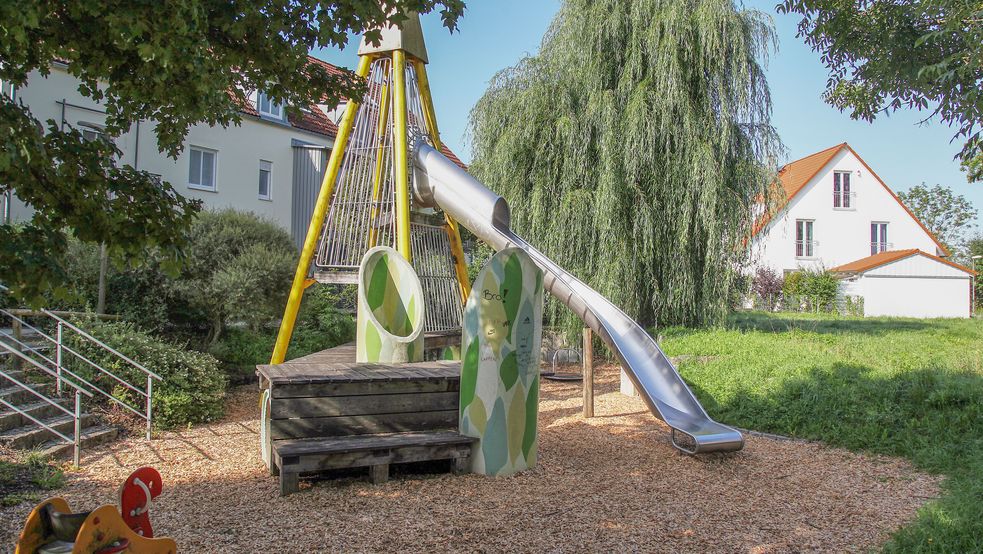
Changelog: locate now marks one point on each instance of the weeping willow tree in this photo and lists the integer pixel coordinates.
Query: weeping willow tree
(632, 148)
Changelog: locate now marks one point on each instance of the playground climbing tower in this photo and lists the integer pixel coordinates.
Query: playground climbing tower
(365, 198)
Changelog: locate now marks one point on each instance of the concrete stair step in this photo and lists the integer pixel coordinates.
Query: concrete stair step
(29, 436)
(16, 395)
(15, 373)
(91, 436)
(10, 419)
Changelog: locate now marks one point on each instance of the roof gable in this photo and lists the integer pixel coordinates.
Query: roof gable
(794, 176)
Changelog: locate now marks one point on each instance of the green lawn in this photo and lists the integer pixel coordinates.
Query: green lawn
(903, 387)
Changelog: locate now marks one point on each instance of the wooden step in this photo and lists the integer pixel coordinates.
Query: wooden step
(311, 455)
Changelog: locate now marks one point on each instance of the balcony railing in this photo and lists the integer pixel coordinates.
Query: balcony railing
(845, 200)
(806, 248)
(876, 247)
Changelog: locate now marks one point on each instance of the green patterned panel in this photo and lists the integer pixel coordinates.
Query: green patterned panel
(501, 342)
(390, 309)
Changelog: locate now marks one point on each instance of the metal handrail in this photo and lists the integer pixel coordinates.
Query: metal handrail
(58, 343)
(104, 345)
(58, 363)
(34, 362)
(76, 415)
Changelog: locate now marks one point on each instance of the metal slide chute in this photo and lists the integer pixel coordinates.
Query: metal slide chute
(441, 183)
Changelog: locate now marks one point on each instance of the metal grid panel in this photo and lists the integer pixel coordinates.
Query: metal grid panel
(362, 206)
(434, 264)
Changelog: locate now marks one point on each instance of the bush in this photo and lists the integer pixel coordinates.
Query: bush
(767, 287)
(814, 290)
(192, 388)
(321, 324)
(740, 289)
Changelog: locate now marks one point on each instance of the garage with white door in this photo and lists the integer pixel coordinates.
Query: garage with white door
(908, 283)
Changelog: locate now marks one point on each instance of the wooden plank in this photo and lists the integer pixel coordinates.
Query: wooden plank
(379, 474)
(289, 482)
(588, 373)
(329, 406)
(314, 463)
(365, 387)
(362, 424)
(337, 445)
(295, 373)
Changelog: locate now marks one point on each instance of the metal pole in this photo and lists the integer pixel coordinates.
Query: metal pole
(588, 373)
(401, 156)
(58, 360)
(453, 232)
(317, 221)
(150, 393)
(18, 339)
(78, 427)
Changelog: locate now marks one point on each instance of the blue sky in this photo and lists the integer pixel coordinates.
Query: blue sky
(496, 34)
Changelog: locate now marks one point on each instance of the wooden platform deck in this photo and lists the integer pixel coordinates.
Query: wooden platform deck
(328, 412)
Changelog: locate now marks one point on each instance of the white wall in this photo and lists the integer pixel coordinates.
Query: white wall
(916, 286)
(240, 149)
(843, 235)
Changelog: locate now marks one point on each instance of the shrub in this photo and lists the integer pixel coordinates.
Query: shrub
(767, 287)
(321, 324)
(819, 289)
(740, 289)
(811, 289)
(192, 388)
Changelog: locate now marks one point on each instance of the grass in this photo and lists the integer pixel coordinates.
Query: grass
(902, 387)
(25, 477)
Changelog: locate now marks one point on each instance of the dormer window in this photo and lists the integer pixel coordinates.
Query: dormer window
(842, 196)
(268, 107)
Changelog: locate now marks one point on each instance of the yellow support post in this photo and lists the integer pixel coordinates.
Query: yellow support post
(379, 162)
(453, 231)
(401, 156)
(317, 222)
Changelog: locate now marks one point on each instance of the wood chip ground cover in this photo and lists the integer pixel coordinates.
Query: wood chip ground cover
(611, 483)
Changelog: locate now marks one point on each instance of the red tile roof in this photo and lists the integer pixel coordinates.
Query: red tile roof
(888, 256)
(794, 176)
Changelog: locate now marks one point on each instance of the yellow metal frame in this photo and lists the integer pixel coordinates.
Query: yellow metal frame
(453, 232)
(377, 176)
(317, 222)
(401, 156)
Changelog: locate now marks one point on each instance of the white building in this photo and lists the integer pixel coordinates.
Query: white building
(838, 214)
(272, 164)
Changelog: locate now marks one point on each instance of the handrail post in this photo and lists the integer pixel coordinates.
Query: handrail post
(78, 427)
(58, 360)
(18, 337)
(150, 392)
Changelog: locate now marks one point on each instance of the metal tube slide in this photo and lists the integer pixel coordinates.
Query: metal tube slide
(441, 183)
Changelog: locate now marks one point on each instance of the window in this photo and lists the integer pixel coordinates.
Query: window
(841, 189)
(805, 246)
(265, 180)
(6, 87)
(91, 132)
(878, 238)
(201, 174)
(267, 106)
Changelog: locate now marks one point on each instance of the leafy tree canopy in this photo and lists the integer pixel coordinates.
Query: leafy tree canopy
(884, 55)
(946, 214)
(633, 146)
(177, 63)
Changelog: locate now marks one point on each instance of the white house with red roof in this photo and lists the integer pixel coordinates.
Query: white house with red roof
(272, 164)
(834, 212)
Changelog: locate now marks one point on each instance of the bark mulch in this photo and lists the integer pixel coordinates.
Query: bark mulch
(609, 483)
